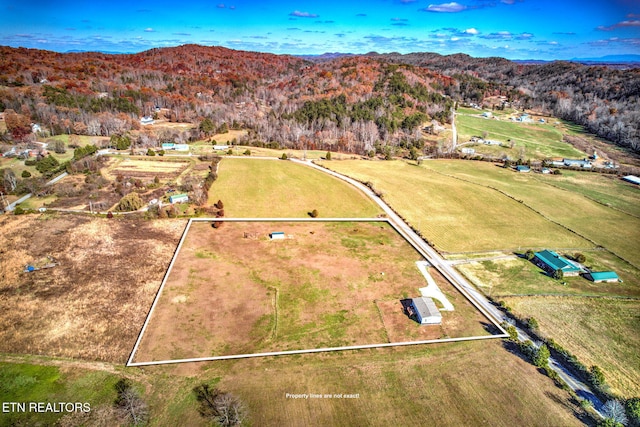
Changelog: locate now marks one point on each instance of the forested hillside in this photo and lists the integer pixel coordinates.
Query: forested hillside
(359, 104)
(605, 101)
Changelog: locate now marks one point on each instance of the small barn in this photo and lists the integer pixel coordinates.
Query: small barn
(632, 179)
(426, 311)
(602, 276)
(276, 235)
(179, 198)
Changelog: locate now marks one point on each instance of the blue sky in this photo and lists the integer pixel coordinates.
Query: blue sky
(514, 29)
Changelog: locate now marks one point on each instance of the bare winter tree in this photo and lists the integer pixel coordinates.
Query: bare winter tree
(215, 405)
(130, 405)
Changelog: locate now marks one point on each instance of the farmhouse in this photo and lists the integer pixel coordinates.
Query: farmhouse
(178, 198)
(632, 179)
(577, 163)
(426, 311)
(277, 235)
(602, 276)
(550, 262)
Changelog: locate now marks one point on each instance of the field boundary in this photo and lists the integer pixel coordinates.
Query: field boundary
(131, 363)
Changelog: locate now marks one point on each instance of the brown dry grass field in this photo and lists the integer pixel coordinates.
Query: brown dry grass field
(330, 284)
(600, 331)
(91, 305)
(166, 169)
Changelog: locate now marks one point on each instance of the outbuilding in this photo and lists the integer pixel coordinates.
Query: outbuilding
(277, 235)
(179, 198)
(523, 168)
(426, 311)
(550, 262)
(602, 276)
(632, 179)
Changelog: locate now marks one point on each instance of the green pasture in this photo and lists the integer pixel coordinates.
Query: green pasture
(455, 215)
(277, 188)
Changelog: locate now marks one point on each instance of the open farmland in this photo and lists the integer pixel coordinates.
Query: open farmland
(602, 332)
(458, 216)
(517, 276)
(92, 304)
(574, 207)
(282, 189)
(438, 379)
(327, 285)
(540, 141)
(145, 169)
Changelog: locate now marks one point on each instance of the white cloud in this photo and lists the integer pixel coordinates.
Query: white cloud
(472, 31)
(445, 7)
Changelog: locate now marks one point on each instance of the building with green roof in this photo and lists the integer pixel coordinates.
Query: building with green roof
(602, 276)
(550, 262)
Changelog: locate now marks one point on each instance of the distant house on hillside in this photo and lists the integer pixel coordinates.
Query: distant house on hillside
(487, 114)
(147, 120)
(550, 262)
(178, 198)
(35, 128)
(492, 142)
(546, 171)
(575, 163)
(602, 276)
(467, 150)
(426, 311)
(220, 147)
(523, 168)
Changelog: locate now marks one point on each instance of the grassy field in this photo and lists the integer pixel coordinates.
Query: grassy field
(539, 140)
(521, 277)
(414, 385)
(458, 216)
(166, 169)
(327, 285)
(273, 188)
(600, 331)
(616, 230)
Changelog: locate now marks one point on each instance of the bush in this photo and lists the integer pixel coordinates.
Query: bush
(26, 174)
(19, 211)
(529, 255)
(284, 156)
(328, 156)
(130, 202)
(313, 213)
(579, 257)
(150, 152)
(532, 323)
(247, 152)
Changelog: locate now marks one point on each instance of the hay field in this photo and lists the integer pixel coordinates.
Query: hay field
(282, 189)
(616, 230)
(602, 332)
(454, 215)
(394, 386)
(328, 285)
(93, 303)
(539, 140)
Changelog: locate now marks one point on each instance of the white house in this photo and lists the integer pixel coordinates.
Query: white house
(147, 120)
(220, 147)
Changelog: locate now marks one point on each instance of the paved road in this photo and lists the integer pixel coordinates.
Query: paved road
(447, 270)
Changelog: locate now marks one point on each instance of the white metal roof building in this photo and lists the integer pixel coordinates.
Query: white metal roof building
(426, 311)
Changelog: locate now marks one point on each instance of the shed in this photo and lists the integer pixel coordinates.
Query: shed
(632, 179)
(277, 235)
(168, 146)
(550, 261)
(523, 168)
(147, 120)
(220, 147)
(178, 198)
(426, 311)
(602, 276)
